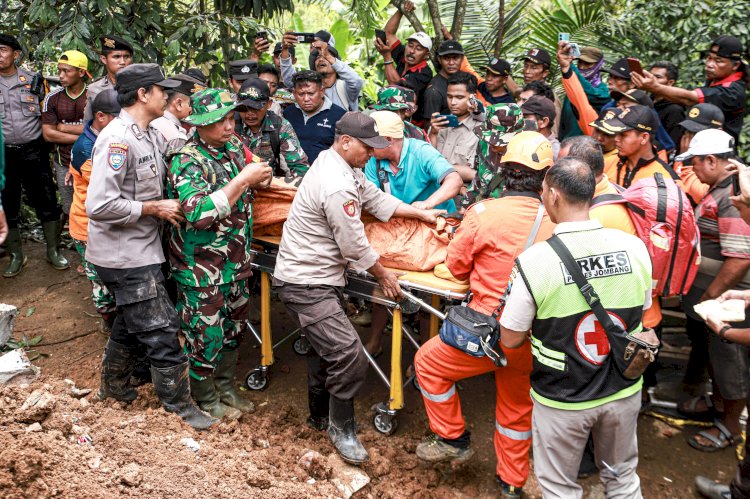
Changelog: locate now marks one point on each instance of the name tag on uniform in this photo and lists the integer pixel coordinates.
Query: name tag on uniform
(603, 265)
(117, 155)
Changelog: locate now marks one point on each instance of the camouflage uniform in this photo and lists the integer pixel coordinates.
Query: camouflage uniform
(395, 98)
(502, 123)
(290, 148)
(103, 300)
(209, 256)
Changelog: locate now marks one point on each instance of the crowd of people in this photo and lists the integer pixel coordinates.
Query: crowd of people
(156, 178)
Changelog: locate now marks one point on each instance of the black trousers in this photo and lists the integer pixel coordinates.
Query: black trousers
(27, 169)
(145, 316)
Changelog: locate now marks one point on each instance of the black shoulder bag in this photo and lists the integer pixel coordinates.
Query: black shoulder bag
(632, 353)
(476, 333)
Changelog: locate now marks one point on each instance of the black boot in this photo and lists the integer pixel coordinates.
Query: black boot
(317, 400)
(117, 367)
(52, 236)
(343, 433)
(173, 388)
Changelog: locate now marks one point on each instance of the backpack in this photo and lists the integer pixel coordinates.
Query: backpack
(664, 220)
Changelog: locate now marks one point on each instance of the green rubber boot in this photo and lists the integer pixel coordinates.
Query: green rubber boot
(15, 252)
(205, 395)
(52, 236)
(224, 382)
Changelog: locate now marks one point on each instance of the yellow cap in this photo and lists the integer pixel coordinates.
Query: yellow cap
(389, 124)
(76, 59)
(530, 149)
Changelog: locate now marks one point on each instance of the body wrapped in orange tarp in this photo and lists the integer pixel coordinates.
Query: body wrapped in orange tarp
(271, 206)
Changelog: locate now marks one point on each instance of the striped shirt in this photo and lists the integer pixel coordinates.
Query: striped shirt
(60, 108)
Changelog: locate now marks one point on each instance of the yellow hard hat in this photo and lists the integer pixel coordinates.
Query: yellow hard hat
(530, 149)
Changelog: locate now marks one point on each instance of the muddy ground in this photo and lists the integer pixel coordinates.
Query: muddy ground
(136, 450)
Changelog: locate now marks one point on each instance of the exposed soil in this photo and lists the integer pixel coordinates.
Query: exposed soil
(137, 449)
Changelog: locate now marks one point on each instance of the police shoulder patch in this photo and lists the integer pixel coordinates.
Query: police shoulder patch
(118, 152)
(350, 207)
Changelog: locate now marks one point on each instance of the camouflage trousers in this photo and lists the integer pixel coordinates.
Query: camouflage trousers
(212, 319)
(103, 299)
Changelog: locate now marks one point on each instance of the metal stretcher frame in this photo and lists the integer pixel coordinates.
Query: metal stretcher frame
(358, 286)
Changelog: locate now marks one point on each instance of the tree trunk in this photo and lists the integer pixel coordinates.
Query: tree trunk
(438, 24)
(224, 32)
(500, 29)
(410, 16)
(458, 19)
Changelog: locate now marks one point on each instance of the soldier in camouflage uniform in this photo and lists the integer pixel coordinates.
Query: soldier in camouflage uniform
(266, 134)
(208, 254)
(402, 101)
(502, 123)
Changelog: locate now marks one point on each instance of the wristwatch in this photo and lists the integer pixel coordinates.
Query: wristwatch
(723, 331)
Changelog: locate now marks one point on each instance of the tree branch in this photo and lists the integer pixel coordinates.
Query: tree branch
(458, 19)
(410, 16)
(437, 23)
(500, 29)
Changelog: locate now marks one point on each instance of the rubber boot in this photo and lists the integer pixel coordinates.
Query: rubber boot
(17, 258)
(318, 401)
(224, 382)
(207, 398)
(173, 388)
(343, 433)
(52, 236)
(117, 367)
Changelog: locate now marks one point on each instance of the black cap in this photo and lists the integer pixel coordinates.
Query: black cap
(633, 95)
(539, 105)
(500, 67)
(620, 69)
(197, 74)
(449, 47)
(701, 117)
(138, 76)
(254, 93)
(362, 127)
(727, 46)
(638, 117)
(112, 42)
(277, 50)
(325, 36)
(604, 115)
(538, 56)
(243, 69)
(10, 41)
(106, 102)
(188, 84)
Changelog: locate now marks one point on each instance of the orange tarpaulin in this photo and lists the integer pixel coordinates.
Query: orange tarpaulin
(271, 206)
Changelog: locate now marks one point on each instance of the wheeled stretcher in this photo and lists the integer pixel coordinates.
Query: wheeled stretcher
(358, 286)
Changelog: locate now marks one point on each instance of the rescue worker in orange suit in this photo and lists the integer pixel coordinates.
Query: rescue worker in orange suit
(493, 233)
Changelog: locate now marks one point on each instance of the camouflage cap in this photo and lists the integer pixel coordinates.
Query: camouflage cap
(502, 123)
(209, 106)
(395, 98)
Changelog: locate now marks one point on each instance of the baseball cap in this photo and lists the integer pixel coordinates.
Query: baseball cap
(502, 122)
(620, 69)
(389, 124)
(592, 55)
(633, 95)
(112, 42)
(701, 117)
(637, 117)
(538, 56)
(539, 105)
(604, 115)
(394, 98)
(242, 69)
(500, 67)
(209, 106)
(726, 46)
(422, 38)
(361, 127)
(449, 47)
(188, 84)
(106, 102)
(142, 75)
(277, 50)
(76, 59)
(10, 41)
(254, 93)
(197, 74)
(709, 141)
(325, 36)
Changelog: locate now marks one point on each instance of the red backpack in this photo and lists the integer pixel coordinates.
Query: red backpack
(663, 218)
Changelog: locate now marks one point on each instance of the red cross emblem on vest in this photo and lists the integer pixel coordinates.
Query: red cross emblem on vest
(591, 338)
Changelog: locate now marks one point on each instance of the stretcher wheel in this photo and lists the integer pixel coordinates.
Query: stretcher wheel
(257, 379)
(301, 346)
(385, 423)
